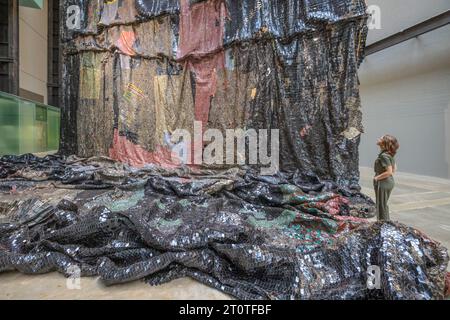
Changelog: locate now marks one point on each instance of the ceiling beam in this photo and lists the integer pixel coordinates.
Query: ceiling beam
(410, 33)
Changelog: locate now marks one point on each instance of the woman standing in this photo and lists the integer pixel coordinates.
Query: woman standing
(385, 168)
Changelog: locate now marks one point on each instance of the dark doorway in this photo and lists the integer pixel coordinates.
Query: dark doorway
(9, 46)
(54, 58)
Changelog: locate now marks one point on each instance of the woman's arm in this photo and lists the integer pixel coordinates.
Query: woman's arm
(388, 173)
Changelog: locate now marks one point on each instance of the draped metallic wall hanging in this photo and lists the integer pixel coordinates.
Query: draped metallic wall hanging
(135, 71)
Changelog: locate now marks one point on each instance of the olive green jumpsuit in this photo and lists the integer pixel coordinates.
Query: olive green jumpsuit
(383, 188)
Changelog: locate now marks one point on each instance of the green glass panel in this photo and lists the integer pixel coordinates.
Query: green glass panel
(53, 128)
(27, 126)
(9, 126)
(36, 4)
(40, 129)
(41, 113)
(27, 133)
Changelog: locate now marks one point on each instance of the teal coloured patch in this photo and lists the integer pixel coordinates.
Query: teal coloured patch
(290, 189)
(184, 203)
(260, 215)
(167, 224)
(203, 205)
(36, 4)
(283, 221)
(125, 204)
(310, 236)
(160, 205)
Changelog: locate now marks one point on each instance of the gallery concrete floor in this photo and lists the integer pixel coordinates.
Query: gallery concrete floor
(421, 202)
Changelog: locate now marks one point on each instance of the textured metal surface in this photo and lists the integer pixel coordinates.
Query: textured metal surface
(249, 236)
(135, 71)
(138, 70)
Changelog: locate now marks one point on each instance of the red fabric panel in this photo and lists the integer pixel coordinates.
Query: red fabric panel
(126, 151)
(126, 42)
(205, 71)
(202, 28)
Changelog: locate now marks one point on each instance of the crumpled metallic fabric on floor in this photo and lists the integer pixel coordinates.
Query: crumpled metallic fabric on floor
(249, 236)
